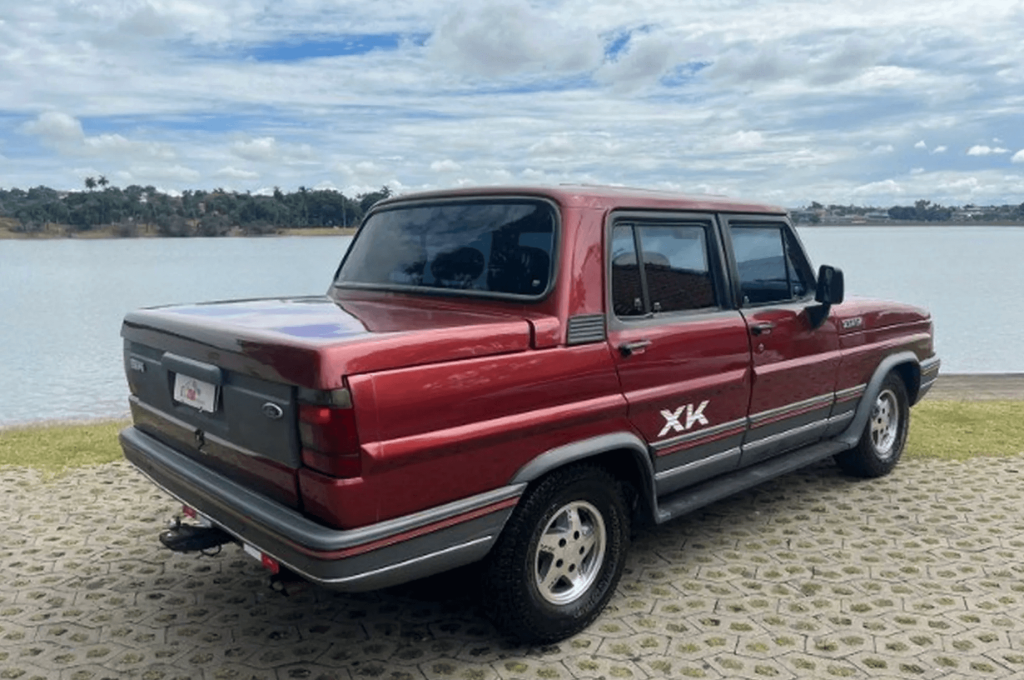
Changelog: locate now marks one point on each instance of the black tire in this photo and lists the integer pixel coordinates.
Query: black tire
(542, 593)
(885, 434)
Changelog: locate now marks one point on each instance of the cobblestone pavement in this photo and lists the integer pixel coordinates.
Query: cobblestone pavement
(814, 575)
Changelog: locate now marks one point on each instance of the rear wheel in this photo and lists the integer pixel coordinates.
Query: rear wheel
(559, 557)
(885, 434)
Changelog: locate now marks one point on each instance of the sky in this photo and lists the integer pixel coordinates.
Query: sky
(863, 102)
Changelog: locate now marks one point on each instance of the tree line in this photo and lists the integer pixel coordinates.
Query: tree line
(921, 211)
(137, 210)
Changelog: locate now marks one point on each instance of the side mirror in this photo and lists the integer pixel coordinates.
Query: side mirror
(830, 285)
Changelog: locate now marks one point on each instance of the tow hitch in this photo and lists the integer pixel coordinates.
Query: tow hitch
(186, 538)
(192, 538)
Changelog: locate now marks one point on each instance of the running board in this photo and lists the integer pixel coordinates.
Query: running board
(691, 498)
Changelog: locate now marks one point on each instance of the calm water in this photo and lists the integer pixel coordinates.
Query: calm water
(61, 302)
(61, 305)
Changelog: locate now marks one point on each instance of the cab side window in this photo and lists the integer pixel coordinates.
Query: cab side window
(771, 266)
(658, 268)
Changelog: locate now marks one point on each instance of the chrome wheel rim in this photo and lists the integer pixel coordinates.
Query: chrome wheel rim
(570, 553)
(885, 420)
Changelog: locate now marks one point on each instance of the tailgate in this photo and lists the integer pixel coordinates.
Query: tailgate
(240, 425)
(224, 383)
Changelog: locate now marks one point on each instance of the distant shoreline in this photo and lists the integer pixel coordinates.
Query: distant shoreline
(107, 233)
(908, 223)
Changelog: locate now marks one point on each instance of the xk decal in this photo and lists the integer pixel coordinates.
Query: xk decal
(693, 416)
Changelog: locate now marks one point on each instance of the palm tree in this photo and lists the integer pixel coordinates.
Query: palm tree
(90, 183)
(103, 181)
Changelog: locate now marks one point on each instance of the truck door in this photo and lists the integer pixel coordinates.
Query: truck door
(682, 356)
(795, 361)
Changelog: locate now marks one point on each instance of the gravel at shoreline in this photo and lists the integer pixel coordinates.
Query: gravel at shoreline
(979, 387)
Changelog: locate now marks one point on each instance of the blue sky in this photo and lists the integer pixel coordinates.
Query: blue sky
(863, 102)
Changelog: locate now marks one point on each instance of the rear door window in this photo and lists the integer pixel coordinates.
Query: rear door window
(661, 268)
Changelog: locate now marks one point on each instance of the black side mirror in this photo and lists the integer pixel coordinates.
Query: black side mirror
(830, 285)
(829, 292)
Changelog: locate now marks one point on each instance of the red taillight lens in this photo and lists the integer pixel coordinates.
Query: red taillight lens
(330, 443)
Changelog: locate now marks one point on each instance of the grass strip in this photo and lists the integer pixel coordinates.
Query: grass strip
(54, 449)
(945, 430)
(959, 430)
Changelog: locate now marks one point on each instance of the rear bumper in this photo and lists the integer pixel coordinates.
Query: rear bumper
(375, 556)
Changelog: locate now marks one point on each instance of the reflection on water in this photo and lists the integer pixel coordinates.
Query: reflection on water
(61, 302)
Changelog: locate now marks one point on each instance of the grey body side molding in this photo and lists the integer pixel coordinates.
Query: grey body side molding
(851, 435)
(589, 448)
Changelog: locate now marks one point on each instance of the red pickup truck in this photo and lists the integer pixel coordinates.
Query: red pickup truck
(516, 376)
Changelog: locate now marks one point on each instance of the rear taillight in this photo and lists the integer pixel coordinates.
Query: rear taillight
(327, 430)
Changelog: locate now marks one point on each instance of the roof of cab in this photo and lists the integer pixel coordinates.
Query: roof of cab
(599, 197)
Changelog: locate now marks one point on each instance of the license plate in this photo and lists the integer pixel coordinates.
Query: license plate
(195, 393)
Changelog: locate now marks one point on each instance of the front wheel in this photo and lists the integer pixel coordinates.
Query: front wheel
(559, 557)
(885, 434)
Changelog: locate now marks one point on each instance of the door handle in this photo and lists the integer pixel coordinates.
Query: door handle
(635, 347)
(762, 328)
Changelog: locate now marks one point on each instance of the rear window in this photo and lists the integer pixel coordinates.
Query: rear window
(493, 247)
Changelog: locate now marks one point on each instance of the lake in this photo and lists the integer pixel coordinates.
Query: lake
(61, 302)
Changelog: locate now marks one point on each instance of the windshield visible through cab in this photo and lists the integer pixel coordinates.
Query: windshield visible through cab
(496, 246)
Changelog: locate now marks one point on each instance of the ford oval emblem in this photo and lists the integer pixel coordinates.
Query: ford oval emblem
(272, 411)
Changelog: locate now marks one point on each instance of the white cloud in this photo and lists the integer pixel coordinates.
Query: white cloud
(940, 149)
(174, 175)
(981, 150)
(921, 145)
(201, 21)
(553, 145)
(498, 176)
(882, 149)
(1018, 157)
(496, 39)
(55, 128)
(647, 58)
(962, 186)
(758, 65)
(118, 146)
(269, 150)
(232, 172)
(65, 133)
(888, 187)
(447, 165)
(744, 140)
(262, 149)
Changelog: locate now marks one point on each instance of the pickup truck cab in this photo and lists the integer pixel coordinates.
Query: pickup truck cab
(516, 376)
